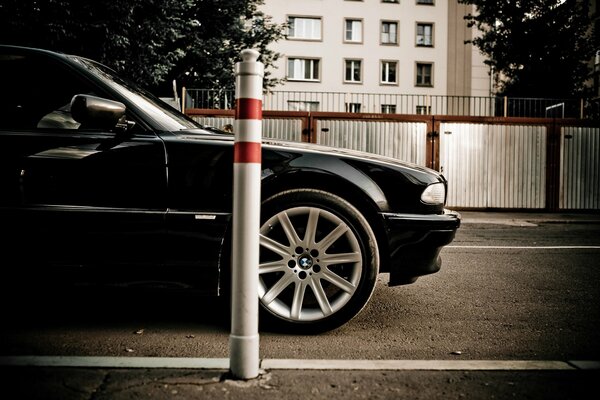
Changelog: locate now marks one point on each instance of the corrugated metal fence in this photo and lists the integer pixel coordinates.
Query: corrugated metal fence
(490, 163)
(580, 168)
(494, 166)
(401, 140)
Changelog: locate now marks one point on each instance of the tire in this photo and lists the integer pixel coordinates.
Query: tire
(319, 261)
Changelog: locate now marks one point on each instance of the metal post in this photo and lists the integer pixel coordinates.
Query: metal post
(243, 340)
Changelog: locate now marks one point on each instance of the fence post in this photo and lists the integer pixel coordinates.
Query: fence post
(183, 97)
(505, 106)
(427, 105)
(244, 339)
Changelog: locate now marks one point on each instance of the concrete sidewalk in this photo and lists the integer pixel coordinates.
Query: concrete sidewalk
(525, 218)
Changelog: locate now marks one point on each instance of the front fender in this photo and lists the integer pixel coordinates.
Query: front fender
(283, 170)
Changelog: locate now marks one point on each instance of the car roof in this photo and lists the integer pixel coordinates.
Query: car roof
(31, 50)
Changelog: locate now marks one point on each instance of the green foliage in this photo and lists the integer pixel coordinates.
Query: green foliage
(539, 48)
(222, 29)
(152, 42)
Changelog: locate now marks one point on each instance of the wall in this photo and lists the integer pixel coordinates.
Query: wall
(332, 50)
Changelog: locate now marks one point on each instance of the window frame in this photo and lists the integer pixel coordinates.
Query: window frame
(360, 63)
(430, 24)
(307, 17)
(312, 59)
(397, 36)
(351, 107)
(388, 108)
(381, 66)
(422, 110)
(302, 105)
(431, 74)
(362, 30)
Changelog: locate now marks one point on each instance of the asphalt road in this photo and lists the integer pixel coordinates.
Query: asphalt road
(504, 292)
(508, 290)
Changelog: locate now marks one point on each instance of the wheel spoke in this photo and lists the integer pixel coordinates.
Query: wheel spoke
(298, 299)
(311, 227)
(288, 228)
(274, 246)
(321, 297)
(292, 261)
(277, 288)
(332, 237)
(272, 266)
(338, 281)
(341, 258)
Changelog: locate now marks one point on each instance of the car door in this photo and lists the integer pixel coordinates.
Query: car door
(82, 203)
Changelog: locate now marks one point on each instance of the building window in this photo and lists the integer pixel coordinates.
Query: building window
(304, 28)
(353, 31)
(424, 110)
(424, 35)
(389, 32)
(303, 69)
(353, 107)
(426, 2)
(388, 109)
(424, 74)
(390, 1)
(303, 105)
(353, 72)
(389, 71)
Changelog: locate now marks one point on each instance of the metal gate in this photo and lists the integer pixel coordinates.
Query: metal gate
(580, 168)
(494, 166)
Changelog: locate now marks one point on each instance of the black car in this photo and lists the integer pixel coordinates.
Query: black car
(102, 183)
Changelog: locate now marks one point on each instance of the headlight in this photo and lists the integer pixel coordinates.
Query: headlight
(434, 194)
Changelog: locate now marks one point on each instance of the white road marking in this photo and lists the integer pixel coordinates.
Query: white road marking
(291, 364)
(513, 222)
(420, 365)
(116, 362)
(525, 247)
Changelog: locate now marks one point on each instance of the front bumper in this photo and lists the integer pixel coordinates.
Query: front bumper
(415, 242)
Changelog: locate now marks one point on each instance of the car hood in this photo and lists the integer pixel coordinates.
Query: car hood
(348, 154)
(306, 148)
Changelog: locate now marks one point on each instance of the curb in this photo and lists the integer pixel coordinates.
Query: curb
(292, 364)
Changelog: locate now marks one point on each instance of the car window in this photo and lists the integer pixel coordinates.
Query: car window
(165, 116)
(36, 93)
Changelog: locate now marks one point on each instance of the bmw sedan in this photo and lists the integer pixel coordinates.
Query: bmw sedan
(103, 184)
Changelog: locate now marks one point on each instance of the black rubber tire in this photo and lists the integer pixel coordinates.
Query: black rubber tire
(300, 272)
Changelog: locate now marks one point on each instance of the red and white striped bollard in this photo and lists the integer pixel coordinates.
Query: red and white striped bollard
(244, 339)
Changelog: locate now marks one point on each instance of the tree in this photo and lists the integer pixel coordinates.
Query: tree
(222, 29)
(149, 41)
(538, 48)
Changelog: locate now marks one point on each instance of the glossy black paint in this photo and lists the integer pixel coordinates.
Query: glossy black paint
(151, 205)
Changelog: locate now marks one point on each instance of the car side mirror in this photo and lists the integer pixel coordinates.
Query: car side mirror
(96, 112)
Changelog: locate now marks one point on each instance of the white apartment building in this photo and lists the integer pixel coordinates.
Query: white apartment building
(379, 47)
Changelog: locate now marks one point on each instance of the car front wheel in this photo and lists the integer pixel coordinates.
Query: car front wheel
(318, 262)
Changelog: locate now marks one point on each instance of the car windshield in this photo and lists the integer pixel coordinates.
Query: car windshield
(163, 114)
